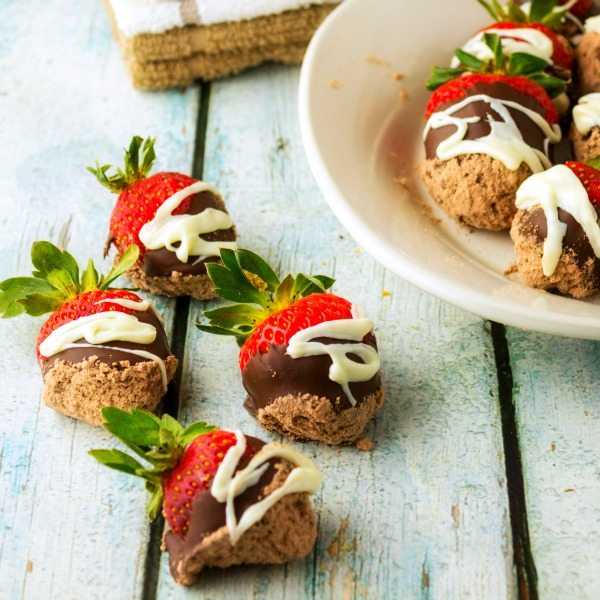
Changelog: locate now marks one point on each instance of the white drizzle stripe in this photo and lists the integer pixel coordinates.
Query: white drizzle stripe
(586, 115)
(592, 25)
(226, 486)
(530, 41)
(141, 353)
(504, 142)
(137, 305)
(98, 329)
(167, 229)
(343, 370)
(558, 188)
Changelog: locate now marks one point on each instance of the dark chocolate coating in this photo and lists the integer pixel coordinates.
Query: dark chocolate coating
(274, 374)
(208, 515)
(575, 238)
(530, 131)
(162, 262)
(159, 347)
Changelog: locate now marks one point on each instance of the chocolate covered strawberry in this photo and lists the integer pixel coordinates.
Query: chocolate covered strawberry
(227, 498)
(556, 14)
(178, 223)
(308, 359)
(100, 346)
(556, 231)
(490, 125)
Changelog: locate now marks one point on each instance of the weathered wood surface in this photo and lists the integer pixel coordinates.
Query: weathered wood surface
(69, 528)
(557, 394)
(425, 514)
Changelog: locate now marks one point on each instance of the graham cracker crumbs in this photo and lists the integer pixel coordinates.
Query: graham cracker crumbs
(402, 181)
(386, 294)
(339, 544)
(403, 95)
(336, 84)
(569, 490)
(29, 566)
(455, 511)
(511, 269)
(553, 446)
(373, 59)
(365, 444)
(396, 76)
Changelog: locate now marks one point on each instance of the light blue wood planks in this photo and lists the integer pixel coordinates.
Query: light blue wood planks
(425, 515)
(557, 398)
(69, 528)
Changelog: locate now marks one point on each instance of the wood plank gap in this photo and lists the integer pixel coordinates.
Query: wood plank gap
(523, 557)
(171, 403)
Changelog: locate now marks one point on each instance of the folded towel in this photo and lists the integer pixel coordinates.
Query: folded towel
(134, 17)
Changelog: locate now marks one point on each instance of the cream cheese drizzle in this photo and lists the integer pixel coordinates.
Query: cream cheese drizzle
(343, 370)
(592, 25)
(586, 115)
(504, 142)
(227, 484)
(167, 229)
(530, 41)
(558, 188)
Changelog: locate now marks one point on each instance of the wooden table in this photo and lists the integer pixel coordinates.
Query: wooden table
(484, 483)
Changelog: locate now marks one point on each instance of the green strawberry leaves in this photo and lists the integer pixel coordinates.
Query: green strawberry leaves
(519, 63)
(160, 441)
(138, 160)
(55, 279)
(247, 279)
(546, 12)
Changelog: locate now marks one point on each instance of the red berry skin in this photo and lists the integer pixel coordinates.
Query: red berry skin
(590, 177)
(562, 56)
(581, 9)
(194, 474)
(138, 203)
(279, 327)
(82, 306)
(456, 89)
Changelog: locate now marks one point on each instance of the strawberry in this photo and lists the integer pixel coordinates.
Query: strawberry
(456, 89)
(589, 175)
(562, 56)
(581, 8)
(58, 287)
(270, 311)
(140, 195)
(183, 461)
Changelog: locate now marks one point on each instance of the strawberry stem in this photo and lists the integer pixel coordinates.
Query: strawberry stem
(138, 161)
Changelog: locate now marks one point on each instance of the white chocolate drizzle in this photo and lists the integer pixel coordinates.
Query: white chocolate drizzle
(344, 369)
(586, 115)
(166, 229)
(137, 305)
(592, 25)
(527, 40)
(504, 142)
(227, 484)
(558, 188)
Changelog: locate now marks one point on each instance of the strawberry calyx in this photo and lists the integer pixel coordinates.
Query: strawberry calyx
(138, 160)
(159, 441)
(56, 280)
(246, 279)
(548, 12)
(517, 64)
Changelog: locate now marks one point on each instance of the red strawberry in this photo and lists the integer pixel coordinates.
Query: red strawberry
(456, 89)
(59, 288)
(540, 11)
(140, 196)
(562, 56)
(590, 177)
(271, 311)
(581, 8)
(184, 461)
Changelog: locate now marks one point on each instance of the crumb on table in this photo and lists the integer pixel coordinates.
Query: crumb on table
(365, 444)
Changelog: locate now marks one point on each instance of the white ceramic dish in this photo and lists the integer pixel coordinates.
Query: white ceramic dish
(361, 126)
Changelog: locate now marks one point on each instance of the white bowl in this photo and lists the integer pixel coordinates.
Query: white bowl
(361, 126)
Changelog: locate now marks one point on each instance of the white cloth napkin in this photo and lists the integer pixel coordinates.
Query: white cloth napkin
(155, 16)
